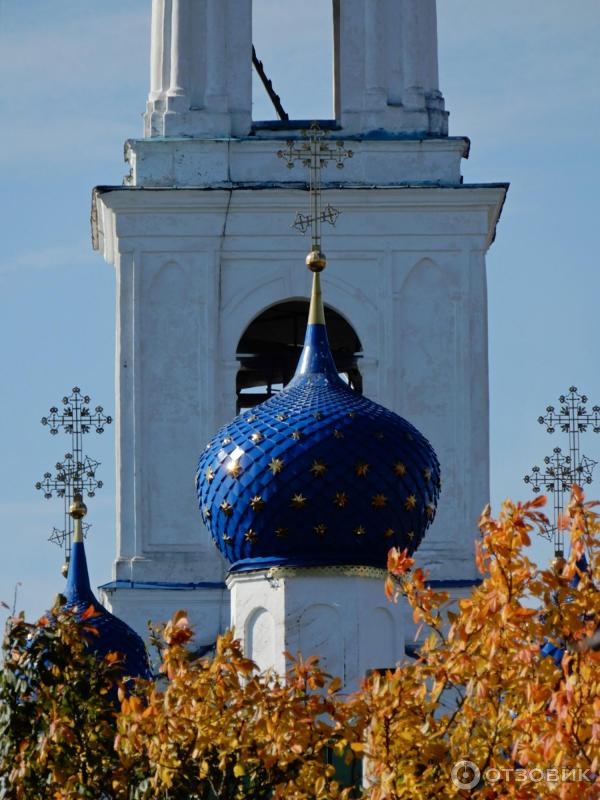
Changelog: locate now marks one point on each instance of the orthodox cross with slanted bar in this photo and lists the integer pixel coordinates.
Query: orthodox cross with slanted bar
(563, 471)
(76, 473)
(315, 153)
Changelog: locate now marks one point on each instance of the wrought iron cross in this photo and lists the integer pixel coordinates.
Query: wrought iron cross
(316, 154)
(562, 472)
(556, 479)
(574, 419)
(68, 479)
(76, 473)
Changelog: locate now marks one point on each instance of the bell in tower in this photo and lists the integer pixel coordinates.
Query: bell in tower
(212, 296)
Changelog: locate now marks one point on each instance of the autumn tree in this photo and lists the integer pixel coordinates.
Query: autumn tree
(57, 711)
(480, 690)
(218, 728)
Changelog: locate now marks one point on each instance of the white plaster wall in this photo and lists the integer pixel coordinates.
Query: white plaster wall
(207, 607)
(343, 618)
(222, 163)
(195, 267)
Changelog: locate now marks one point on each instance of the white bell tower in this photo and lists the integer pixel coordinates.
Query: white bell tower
(200, 238)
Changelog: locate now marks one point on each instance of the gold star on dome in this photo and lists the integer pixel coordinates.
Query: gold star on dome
(317, 415)
(257, 503)
(299, 500)
(429, 510)
(250, 536)
(427, 474)
(410, 502)
(209, 474)
(275, 465)
(320, 529)
(251, 418)
(389, 532)
(226, 508)
(207, 512)
(280, 417)
(296, 435)
(359, 530)
(227, 440)
(400, 468)
(361, 468)
(379, 435)
(379, 501)
(338, 434)
(352, 414)
(227, 539)
(256, 437)
(234, 469)
(281, 533)
(341, 499)
(410, 437)
(411, 535)
(318, 469)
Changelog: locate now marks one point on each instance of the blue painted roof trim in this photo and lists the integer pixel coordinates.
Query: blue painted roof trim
(163, 585)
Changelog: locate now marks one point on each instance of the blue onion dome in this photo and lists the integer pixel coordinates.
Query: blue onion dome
(114, 635)
(317, 475)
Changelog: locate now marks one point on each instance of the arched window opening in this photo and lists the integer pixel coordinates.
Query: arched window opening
(270, 347)
(303, 84)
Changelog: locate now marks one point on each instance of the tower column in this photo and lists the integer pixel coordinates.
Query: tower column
(156, 55)
(386, 67)
(419, 45)
(201, 69)
(177, 96)
(216, 63)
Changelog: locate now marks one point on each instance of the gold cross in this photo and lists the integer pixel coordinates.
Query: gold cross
(316, 154)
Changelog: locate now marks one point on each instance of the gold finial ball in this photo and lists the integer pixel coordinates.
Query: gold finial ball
(316, 261)
(64, 570)
(78, 508)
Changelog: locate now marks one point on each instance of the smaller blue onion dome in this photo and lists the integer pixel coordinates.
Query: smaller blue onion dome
(317, 475)
(114, 635)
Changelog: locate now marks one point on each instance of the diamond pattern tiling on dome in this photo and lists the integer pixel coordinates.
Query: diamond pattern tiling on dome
(317, 475)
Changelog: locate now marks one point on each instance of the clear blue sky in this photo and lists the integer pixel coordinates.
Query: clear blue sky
(521, 79)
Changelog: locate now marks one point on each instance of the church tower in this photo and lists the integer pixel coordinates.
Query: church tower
(211, 293)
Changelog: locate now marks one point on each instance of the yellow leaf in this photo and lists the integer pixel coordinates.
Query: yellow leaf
(239, 771)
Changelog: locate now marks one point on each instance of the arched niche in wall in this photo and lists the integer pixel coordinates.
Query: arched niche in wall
(167, 337)
(321, 633)
(379, 645)
(269, 349)
(425, 330)
(260, 638)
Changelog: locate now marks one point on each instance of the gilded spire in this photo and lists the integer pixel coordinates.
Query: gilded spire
(316, 313)
(77, 510)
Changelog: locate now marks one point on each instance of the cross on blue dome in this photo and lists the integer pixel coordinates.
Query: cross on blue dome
(317, 475)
